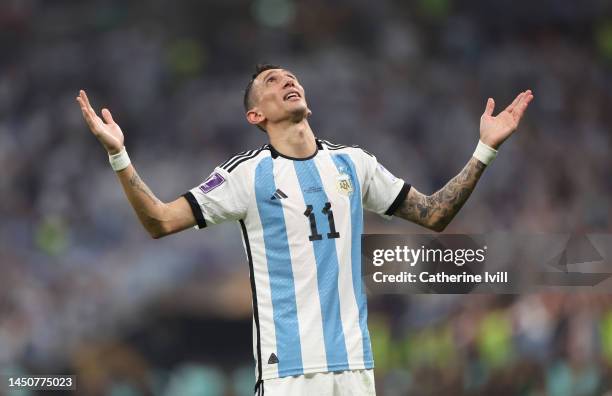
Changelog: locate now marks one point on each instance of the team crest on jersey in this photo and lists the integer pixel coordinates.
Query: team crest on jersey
(213, 181)
(344, 184)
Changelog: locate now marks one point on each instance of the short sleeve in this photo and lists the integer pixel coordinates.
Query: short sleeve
(383, 192)
(219, 198)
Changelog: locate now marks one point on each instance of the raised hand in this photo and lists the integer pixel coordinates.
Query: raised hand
(495, 130)
(107, 131)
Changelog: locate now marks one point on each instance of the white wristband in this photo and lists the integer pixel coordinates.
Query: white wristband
(119, 161)
(484, 153)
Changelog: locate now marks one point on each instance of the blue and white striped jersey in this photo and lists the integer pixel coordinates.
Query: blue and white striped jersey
(301, 222)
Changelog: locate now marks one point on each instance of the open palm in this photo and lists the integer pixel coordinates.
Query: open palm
(495, 130)
(107, 131)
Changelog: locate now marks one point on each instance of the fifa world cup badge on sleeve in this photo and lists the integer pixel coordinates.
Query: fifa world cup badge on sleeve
(344, 184)
(213, 181)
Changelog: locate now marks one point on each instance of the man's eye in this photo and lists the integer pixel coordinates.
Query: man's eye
(271, 79)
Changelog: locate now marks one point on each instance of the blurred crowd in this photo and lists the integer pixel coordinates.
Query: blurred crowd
(408, 81)
(533, 345)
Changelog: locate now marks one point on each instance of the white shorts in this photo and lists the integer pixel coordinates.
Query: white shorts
(342, 383)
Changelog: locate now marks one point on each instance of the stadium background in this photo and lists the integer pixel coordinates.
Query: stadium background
(83, 289)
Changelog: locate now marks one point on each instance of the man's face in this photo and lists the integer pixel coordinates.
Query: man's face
(279, 96)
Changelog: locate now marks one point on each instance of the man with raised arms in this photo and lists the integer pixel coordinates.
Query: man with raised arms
(299, 201)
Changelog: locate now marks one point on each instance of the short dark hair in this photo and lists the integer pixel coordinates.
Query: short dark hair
(248, 100)
(259, 68)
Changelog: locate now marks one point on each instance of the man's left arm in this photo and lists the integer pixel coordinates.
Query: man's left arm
(436, 211)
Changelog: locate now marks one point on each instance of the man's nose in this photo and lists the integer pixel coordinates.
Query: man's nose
(289, 83)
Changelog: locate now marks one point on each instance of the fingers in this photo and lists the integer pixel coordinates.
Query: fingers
(85, 99)
(86, 112)
(521, 106)
(108, 118)
(490, 107)
(515, 102)
(92, 119)
(519, 100)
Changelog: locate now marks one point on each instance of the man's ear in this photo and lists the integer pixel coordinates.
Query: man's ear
(254, 116)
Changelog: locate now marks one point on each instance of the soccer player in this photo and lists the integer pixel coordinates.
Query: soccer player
(299, 201)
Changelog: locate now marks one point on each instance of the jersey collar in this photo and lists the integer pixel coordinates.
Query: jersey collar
(276, 154)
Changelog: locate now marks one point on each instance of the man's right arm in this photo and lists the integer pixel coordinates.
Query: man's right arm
(157, 217)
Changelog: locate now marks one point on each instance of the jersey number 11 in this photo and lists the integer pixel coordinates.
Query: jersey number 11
(314, 234)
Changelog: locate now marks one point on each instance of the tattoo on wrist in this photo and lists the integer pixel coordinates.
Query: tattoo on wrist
(437, 210)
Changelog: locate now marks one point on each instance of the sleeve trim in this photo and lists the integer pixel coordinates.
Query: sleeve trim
(398, 200)
(195, 208)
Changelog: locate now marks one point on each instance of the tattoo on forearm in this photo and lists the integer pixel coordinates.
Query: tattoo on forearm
(437, 210)
(139, 185)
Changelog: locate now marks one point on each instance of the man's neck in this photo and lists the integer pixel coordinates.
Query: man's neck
(293, 140)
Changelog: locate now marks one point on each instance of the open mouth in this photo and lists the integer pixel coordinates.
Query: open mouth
(292, 95)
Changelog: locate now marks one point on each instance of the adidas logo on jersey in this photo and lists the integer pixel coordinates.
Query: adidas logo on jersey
(272, 359)
(278, 194)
